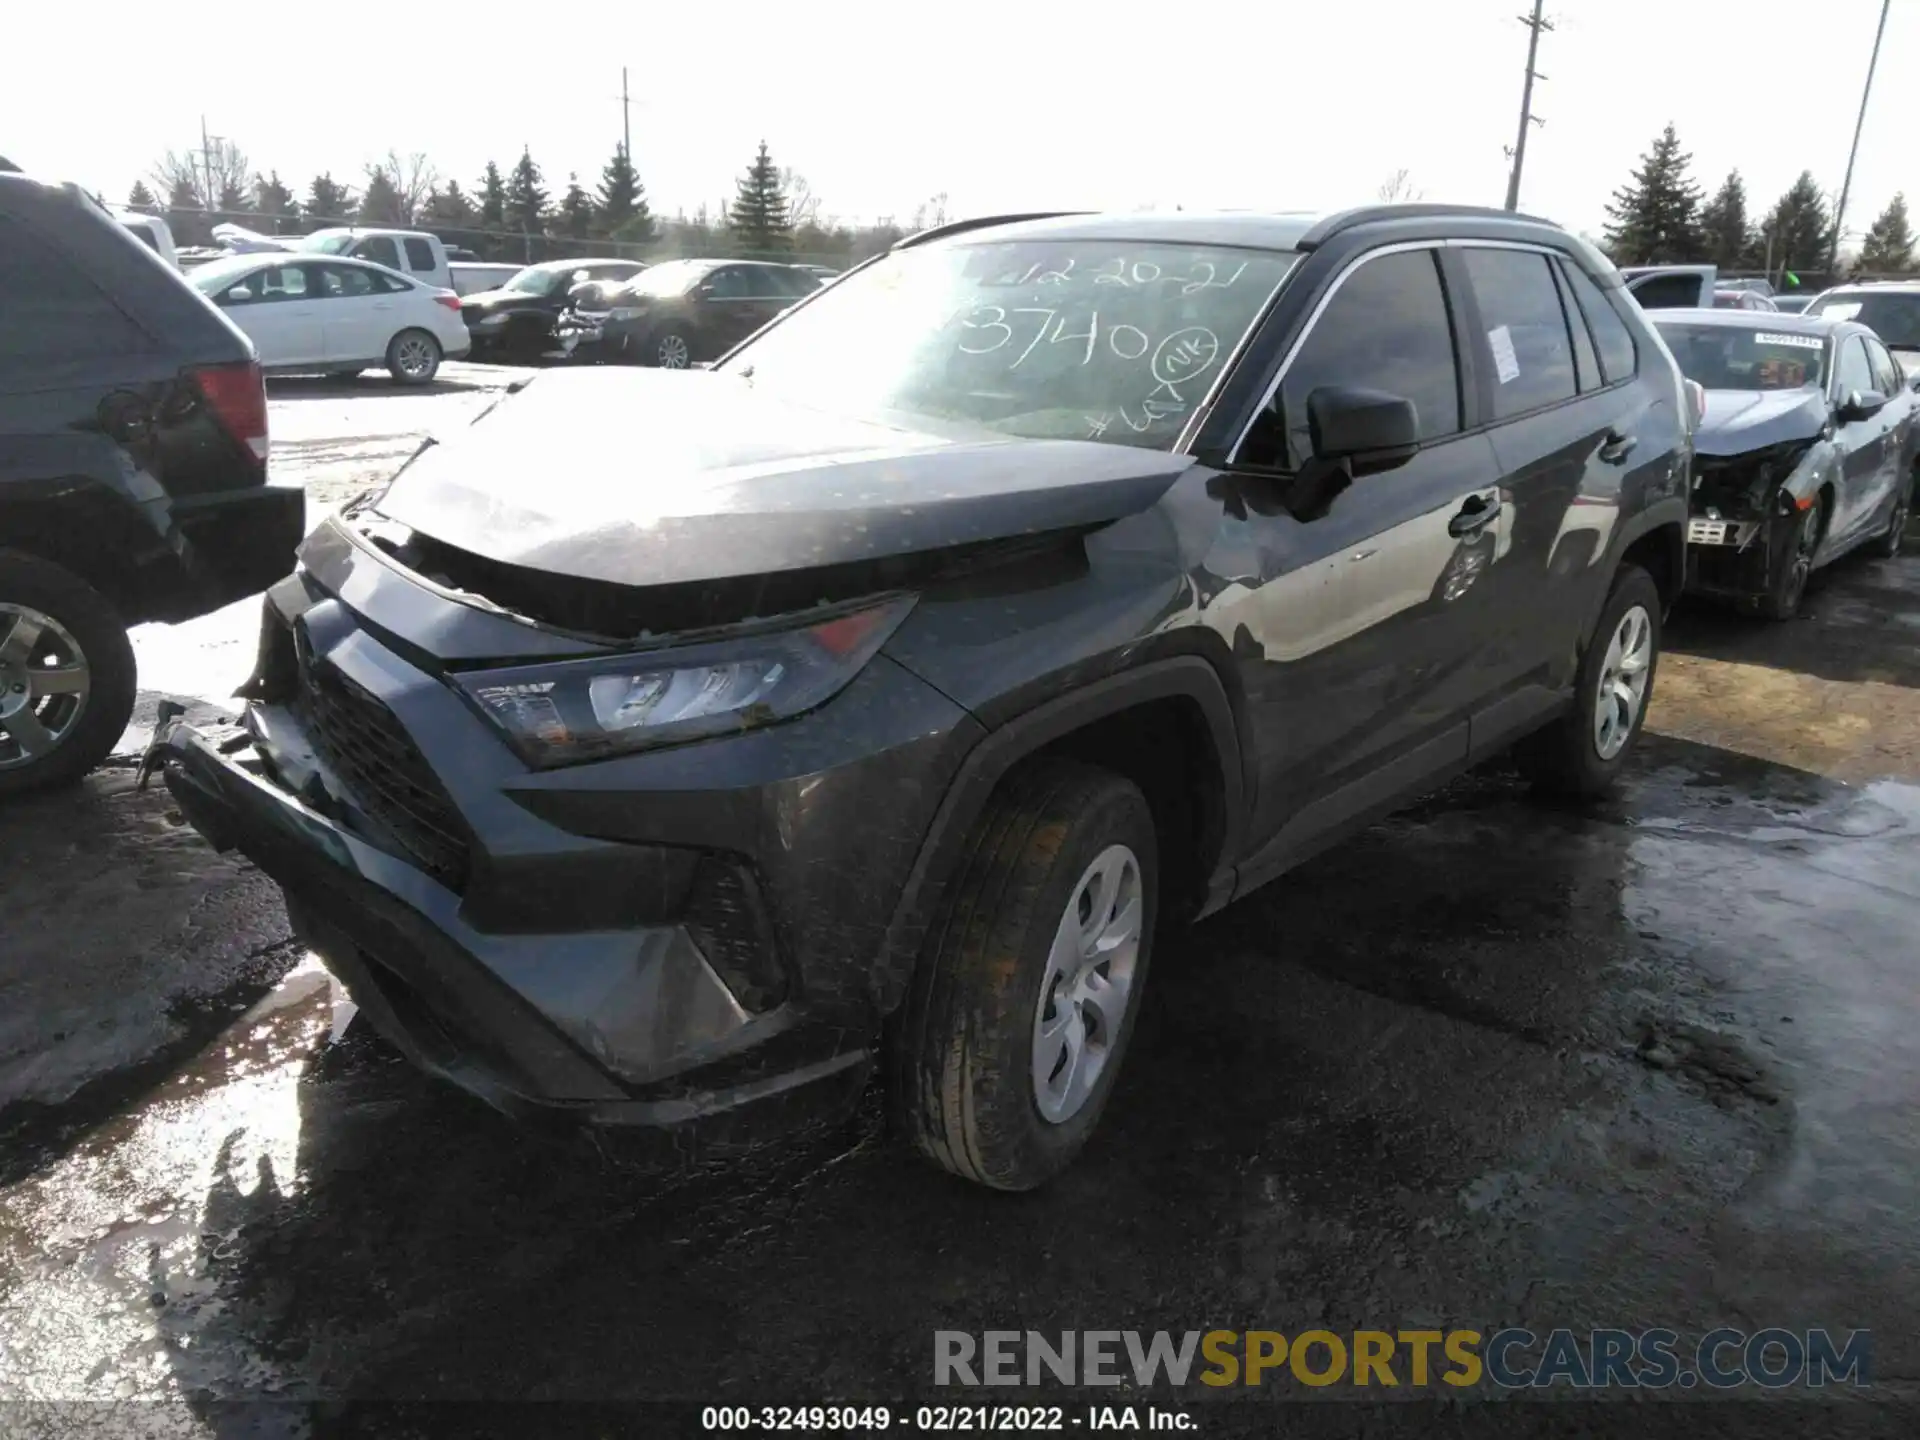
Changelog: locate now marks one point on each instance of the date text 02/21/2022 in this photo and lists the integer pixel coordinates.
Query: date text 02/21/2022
(940, 1419)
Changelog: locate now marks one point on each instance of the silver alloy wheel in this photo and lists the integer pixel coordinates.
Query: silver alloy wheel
(44, 684)
(414, 357)
(1088, 984)
(1623, 682)
(672, 352)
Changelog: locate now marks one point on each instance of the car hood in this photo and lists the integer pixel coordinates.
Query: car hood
(662, 478)
(500, 300)
(1740, 420)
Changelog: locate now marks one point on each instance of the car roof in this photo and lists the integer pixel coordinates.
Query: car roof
(308, 257)
(1873, 287)
(583, 260)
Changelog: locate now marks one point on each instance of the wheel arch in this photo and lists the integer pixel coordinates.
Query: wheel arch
(1166, 725)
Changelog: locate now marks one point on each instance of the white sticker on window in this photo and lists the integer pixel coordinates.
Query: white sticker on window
(1803, 342)
(1840, 310)
(1506, 364)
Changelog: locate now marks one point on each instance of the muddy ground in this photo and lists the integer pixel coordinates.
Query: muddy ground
(1490, 1063)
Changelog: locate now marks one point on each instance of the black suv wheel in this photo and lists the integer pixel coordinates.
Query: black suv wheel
(1582, 754)
(1026, 996)
(66, 675)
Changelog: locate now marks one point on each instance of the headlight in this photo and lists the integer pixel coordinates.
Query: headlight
(624, 312)
(589, 709)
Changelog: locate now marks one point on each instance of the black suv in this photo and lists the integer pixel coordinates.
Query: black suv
(133, 466)
(672, 748)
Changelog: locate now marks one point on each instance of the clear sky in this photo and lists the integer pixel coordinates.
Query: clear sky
(1000, 104)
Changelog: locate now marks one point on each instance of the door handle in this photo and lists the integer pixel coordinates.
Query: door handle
(1616, 447)
(1473, 517)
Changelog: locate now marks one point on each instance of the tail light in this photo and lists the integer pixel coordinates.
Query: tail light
(237, 396)
(448, 299)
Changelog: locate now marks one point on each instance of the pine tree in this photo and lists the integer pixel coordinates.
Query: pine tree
(1799, 227)
(527, 202)
(447, 209)
(1724, 233)
(275, 202)
(1653, 218)
(236, 198)
(759, 215)
(493, 198)
(1889, 243)
(140, 198)
(328, 201)
(576, 210)
(623, 210)
(381, 204)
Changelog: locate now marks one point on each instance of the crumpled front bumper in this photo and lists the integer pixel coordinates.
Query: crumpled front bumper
(513, 1018)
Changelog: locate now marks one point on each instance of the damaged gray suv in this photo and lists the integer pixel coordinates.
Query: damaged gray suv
(688, 750)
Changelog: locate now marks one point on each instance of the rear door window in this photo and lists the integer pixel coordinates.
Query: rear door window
(1610, 334)
(53, 311)
(419, 255)
(347, 282)
(1524, 340)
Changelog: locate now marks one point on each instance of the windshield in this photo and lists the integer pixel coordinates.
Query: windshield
(537, 280)
(1725, 357)
(1044, 339)
(663, 281)
(218, 275)
(328, 244)
(1892, 315)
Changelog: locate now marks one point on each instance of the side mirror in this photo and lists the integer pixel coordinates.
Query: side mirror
(1370, 428)
(1861, 405)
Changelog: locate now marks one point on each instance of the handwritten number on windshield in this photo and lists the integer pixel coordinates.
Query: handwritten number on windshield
(999, 322)
(1040, 331)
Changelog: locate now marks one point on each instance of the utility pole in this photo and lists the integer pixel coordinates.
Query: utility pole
(626, 117)
(206, 163)
(1535, 24)
(1840, 210)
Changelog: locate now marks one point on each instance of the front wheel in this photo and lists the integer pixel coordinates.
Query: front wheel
(1026, 996)
(1794, 567)
(670, 349)
(413, 357)
(1581, 754)
(66, 675)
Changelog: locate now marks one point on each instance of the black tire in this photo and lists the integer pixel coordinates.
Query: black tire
(101, 637)
(1565, 759)
(1890, 541)
(405, 369)
(962, 1071)
(657, 347)
(1793, 567)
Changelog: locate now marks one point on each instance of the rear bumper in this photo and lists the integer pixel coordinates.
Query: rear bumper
(231, 545)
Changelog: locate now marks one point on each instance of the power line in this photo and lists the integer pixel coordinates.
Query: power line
(1535, 25)
(1840, 210)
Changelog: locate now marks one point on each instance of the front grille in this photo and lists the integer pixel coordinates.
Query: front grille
(364, 745)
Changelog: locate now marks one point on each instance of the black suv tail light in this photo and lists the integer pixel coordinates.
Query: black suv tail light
(237, 395)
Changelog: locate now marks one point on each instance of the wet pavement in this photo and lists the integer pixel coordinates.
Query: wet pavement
(1490, 1063)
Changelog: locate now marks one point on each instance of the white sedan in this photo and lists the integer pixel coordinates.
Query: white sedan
(335, 315)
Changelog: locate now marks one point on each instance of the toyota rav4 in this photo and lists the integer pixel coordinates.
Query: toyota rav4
(683, 749)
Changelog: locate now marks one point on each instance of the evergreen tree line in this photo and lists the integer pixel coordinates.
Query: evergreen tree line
(513, 215)
(1660, 218)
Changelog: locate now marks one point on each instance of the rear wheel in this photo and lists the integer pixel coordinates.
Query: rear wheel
(1026, 996)
(413, 357)
(66, 675)
(1581, 754)
(1887, 547)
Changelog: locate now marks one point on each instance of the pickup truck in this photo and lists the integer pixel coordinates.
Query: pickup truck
(1694, 287)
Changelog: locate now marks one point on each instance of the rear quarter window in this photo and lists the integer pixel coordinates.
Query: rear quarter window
(1610, 334)
(54, 311)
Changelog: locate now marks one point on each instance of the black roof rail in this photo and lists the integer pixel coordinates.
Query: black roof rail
(1370, 214)
(980, 222)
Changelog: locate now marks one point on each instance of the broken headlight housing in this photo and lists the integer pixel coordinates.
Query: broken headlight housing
(576, 710)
